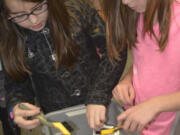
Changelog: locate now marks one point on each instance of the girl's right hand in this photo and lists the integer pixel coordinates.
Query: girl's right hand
(124, 92)
(20, 116)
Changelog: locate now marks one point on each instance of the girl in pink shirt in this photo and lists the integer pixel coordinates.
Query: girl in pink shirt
(151, 89)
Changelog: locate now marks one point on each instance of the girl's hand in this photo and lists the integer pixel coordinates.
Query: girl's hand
(96, 116)
(20, 116)
(137, 117)
(124, 92)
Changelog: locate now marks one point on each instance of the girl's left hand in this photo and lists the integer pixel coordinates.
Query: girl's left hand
(96, 116)
(136, 118)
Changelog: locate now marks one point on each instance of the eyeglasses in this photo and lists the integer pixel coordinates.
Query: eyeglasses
(39, 9)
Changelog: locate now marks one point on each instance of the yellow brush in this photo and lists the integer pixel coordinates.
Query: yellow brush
(44, 121)
(110, 131)
(61, 128)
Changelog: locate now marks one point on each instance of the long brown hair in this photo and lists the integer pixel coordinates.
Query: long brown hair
(12, 45)
(122, 24)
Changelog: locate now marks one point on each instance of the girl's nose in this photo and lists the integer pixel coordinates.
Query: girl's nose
(33, 19)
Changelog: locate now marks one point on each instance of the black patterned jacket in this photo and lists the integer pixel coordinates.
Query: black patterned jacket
(90, 81)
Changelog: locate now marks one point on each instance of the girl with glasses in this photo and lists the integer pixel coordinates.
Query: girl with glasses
(53, 44)
(151, 89)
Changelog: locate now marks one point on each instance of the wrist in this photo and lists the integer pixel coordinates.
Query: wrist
(157, 105)
(127, 79)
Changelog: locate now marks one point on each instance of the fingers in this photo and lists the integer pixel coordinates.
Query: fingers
(129, 123)
(98, 123)
(140, 128)
(103, 115)
(30, 106)
(33, 110)
(133, 126)
(26, 113)
(90, 117)
(132, 94)
(126, 122)
(21, 115)
(26, 124)
(96, 116)
(124, 93)
(121, 118)
(116, 94)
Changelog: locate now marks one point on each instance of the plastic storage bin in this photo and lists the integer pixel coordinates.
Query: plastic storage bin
(76, 118)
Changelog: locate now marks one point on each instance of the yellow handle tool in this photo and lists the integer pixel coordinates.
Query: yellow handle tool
(109, 131)
(61, 128)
